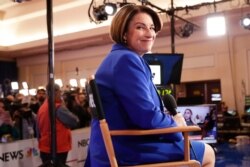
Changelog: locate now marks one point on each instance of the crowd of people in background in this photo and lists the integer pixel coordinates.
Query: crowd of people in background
(18, 113)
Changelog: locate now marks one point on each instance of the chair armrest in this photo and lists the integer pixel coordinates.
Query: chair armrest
(154, 131)
(184, 129)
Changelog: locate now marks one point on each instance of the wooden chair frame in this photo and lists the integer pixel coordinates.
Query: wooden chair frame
(107, 134)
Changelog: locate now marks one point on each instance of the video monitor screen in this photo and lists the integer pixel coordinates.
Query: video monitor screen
(166, 67)
(156, 72)
(203, 116)
(216, 97)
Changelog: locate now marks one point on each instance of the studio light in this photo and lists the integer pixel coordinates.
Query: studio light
(216, 25)
(14, 86)
(99, 13)
(73, 82)
(41, 87)
(110, 8)
(59, 82)
(102, 12)
(20, 1)
(25, 85)
(83, 82)
(245, 22)
(25, 92)
(32, 92)
(186, 30)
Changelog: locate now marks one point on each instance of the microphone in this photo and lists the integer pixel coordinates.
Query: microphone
(170, 103)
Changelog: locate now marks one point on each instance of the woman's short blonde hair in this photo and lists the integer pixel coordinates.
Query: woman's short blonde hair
(121, 20)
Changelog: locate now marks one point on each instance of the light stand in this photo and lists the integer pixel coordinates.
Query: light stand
(51, 94)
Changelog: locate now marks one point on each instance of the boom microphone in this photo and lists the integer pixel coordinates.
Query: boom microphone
(170, 103)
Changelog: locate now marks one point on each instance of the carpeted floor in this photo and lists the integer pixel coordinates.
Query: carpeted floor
(232, 155)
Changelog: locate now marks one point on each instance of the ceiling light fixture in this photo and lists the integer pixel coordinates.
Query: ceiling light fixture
(59, 82)
(99, 13)
(25, 85)
(102, 12)
(245, 21)
(73, 83)
(216, 25)
(110, 8)
(20, 1)
(14, 85)
(186, 30)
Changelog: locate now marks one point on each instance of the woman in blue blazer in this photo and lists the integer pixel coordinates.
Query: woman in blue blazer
(130, 99)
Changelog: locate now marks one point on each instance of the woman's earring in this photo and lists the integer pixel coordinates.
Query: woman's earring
(124, 39)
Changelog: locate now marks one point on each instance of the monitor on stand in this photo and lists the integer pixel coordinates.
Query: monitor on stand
(203, 116)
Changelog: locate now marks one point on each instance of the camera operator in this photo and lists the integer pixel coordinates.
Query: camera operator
(25, 119)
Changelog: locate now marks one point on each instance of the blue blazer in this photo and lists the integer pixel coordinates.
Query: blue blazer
(130, 101)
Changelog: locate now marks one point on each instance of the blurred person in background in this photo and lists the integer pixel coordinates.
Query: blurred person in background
(7, 130)
(74, 105)
(6, 87)
(38, 100)
(9, 100)
(65, 121)
(209, 123)
(19, 97)
(25, 119)
(83, 101)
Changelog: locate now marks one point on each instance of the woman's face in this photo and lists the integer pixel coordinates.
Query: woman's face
(187, 114)
(141, 33)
